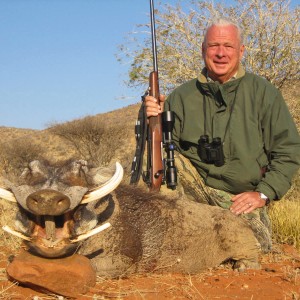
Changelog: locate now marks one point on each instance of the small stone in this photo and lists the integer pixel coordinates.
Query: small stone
(69, 276)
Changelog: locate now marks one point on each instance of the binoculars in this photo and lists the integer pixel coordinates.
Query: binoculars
(211, 153)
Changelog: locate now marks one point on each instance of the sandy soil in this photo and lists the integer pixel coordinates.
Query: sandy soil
(279, 279)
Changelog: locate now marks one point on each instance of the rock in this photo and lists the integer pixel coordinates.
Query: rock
(70, 276)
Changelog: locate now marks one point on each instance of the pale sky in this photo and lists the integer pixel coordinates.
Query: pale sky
(57, 58)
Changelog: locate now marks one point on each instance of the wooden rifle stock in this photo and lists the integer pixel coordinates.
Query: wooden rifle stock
(155, 137)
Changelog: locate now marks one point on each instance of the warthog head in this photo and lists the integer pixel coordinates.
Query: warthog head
(54, 213)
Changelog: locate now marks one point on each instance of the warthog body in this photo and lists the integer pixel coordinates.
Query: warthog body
(152, 233)
(148, 233)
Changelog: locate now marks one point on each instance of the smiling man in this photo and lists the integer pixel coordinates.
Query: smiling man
(235, 129)
(222, 51)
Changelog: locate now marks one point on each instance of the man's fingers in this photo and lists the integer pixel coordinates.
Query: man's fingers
(152, 106)
(162, 98)
(149, 99)
(152, 111)
(243, 208)
(239, 208)
(243, 203)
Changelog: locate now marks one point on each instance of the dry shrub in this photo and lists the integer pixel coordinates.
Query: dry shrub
(291, 94)
(84, 135)
(17, 153)
(92, 138)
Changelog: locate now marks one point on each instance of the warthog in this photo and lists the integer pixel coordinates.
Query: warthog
(62, 209)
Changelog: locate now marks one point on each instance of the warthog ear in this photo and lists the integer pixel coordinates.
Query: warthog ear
(103, 190)
(34, 173)
(7, 195)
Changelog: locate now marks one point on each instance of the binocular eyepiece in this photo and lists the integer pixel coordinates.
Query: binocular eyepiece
(211, 153)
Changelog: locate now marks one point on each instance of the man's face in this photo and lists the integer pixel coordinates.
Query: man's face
(222, 52)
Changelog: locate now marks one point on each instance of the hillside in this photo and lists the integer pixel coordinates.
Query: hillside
(118, 133)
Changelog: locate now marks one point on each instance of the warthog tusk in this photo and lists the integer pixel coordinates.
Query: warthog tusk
(16, 233)
(90, 233)
(77, 239)
(106, 188)
(7, 195)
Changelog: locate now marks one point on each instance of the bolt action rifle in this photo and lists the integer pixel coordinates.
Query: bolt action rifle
(157, 132)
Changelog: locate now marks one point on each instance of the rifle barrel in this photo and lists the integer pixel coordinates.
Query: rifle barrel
(153, 34)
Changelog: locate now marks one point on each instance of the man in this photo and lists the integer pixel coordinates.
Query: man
(260, 143)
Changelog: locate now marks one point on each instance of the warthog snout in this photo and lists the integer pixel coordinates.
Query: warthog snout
(48, 202)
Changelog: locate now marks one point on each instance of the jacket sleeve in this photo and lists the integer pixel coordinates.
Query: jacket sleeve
(282, 144)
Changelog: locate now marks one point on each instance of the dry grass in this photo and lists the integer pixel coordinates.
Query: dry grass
(177, 287)
(7, 210)
(285, 217)
(7, 294)
(291, 274)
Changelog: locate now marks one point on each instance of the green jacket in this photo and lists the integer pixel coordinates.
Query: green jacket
(260, 132)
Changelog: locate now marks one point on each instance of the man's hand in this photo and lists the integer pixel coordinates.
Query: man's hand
(246, 202)
(152, 106)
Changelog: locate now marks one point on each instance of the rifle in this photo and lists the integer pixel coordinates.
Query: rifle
(158, 168)
(155, 135)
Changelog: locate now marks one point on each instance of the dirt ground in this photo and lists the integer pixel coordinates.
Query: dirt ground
(278, 279)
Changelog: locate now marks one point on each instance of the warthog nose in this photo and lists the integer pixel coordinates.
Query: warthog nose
(48, 202)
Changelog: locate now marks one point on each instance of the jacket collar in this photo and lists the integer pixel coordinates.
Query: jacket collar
(203, 78)
(220, 89)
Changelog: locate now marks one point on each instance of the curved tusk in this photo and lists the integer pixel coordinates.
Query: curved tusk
(106, 188)
(16, 233)
(90, 233)
(7, 195)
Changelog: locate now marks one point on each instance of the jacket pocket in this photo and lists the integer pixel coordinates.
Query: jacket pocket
(245, 173)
